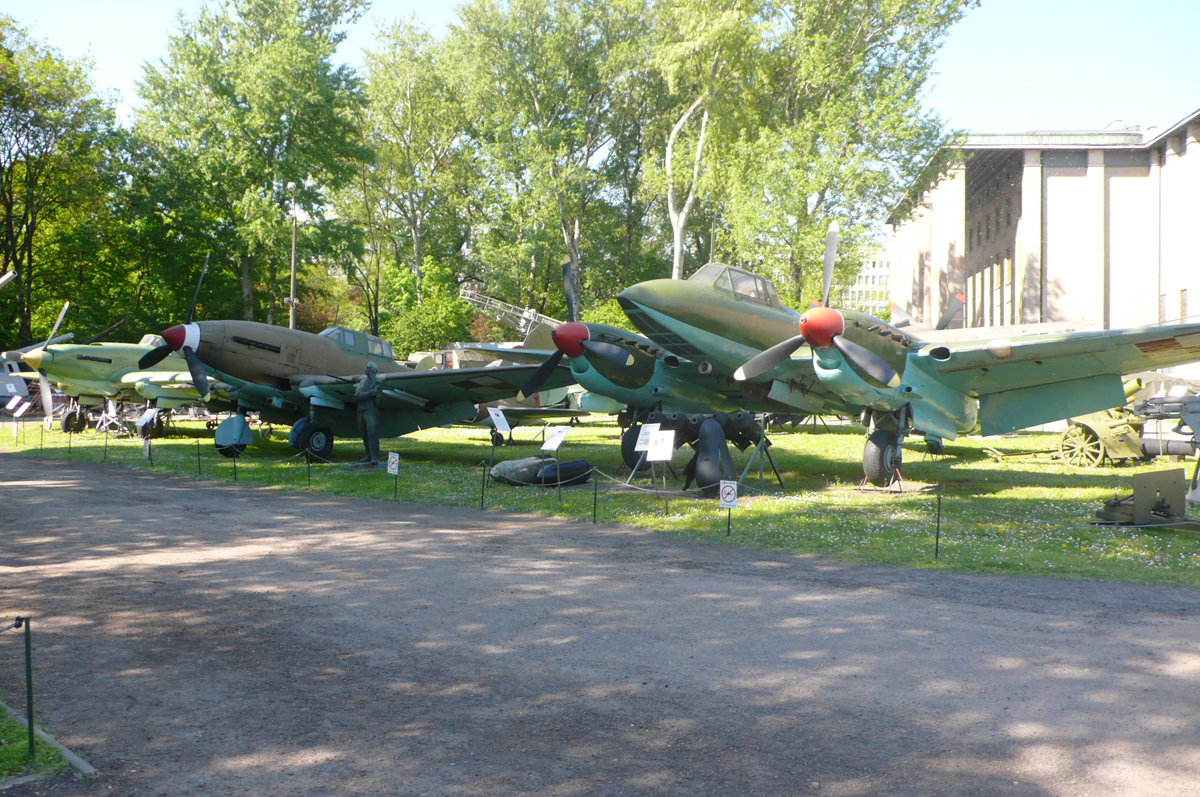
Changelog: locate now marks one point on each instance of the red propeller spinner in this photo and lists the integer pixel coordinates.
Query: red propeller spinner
(175, 336)
(568, 338)
(818, 325)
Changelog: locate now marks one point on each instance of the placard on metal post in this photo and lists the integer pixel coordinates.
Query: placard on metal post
(500, 424)
(642, 445)
(394, 469)
(727, 495)
(553, 441)
(660, 449)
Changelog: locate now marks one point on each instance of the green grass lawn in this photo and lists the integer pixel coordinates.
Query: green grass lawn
(14, 751)
(1026, 515)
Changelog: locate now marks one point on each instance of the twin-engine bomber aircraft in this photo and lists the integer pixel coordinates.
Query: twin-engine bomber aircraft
(998, 381)
(286, 375)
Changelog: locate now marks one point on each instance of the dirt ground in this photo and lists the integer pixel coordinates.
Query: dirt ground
(197, 638)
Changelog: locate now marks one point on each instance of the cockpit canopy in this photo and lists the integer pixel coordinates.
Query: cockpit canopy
(359, 342)
(739, 282)
(151, 340)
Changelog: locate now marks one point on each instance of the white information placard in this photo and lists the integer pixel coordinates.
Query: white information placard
(554, 438)
(662, 446)
(393, 463)
(645, 435)
(728, 494)
(147, 416)
(498, 420)
(13, 402)
(24, 408)
(10, 387)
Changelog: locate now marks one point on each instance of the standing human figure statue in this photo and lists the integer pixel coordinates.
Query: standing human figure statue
(367, 396)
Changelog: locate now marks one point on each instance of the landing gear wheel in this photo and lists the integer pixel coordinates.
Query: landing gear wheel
(497, 438)
(210, 425)
(73, 421)
(1081, 447)
(319, 444)
(882, 457)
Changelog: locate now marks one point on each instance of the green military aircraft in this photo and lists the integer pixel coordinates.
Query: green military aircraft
(306, 379)
(893, 382)
(93, 373)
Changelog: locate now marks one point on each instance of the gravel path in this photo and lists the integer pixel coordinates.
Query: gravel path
(200, 638)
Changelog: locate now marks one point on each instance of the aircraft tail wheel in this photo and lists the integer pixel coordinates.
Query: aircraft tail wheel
(882, 456)
(319, 446)
(1081, 447)
(497, 438)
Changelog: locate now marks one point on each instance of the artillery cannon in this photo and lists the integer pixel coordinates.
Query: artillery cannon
(1114, 435)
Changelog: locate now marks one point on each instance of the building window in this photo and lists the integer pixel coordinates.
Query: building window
(1008, 212)
(989, 226)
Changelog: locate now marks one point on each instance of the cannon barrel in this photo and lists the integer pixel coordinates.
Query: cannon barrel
(1132, 386)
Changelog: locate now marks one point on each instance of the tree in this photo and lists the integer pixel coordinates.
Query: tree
(246, 101)
(709, 54)
(546, 74)
(52, 125)
(843, 137)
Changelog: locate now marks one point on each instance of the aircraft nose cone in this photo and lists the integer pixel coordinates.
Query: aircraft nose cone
(567, 337)
(818, 325)
(37, 358)
(175, 336)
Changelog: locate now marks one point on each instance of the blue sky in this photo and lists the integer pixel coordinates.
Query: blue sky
(1011, 65)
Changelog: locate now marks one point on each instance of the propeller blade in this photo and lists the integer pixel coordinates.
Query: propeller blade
(199, 378)
(831, 241)
(766, 360)
(154, 356)
(539, 377)
(102, 335)
(57, 324)
(7, 278)
(867, 361)
(569, 290)
(609, 351)
(952, 307)
(196, 295)
(47, 397)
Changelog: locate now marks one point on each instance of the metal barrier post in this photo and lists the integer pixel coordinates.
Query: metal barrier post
(482, 484)
(106, 444)
(197, 457)
(938, 536)
(28, 680)
(595, 492)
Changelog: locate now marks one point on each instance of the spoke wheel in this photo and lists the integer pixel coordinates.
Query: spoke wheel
(1081, 447)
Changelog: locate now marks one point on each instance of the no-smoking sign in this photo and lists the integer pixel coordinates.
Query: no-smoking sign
(727, 494)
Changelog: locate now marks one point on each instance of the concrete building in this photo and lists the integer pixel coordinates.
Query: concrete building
(1100, 227)
(872, 290)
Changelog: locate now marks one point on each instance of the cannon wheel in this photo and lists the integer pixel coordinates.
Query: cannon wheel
(1081, 447)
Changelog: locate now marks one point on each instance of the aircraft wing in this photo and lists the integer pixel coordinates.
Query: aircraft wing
(535, 356)
(999, 364)
(447, 386)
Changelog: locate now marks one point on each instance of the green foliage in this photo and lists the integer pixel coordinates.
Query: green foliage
(608, 313)
(437, 318)
(631, 138)
(14, 751)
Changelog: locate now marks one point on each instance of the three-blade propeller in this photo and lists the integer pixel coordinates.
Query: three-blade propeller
(43, 382)
(160, 353)
(867, 362)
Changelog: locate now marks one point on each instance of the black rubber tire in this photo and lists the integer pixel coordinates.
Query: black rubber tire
(318, 445)
(73, 422)
(882, 456)
(497, 438)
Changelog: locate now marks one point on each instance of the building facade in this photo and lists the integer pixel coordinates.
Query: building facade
(872, 289)
(1098, 228)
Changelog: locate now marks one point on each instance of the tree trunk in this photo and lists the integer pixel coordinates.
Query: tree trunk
(679, 215)
(247, 286)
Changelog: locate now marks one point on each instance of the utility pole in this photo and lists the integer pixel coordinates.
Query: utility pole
(292, 296)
